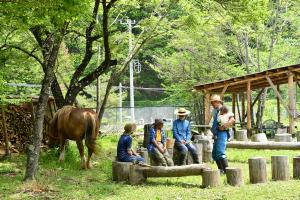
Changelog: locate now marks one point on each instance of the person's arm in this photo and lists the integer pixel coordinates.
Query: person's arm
(227, 125)
(175, 132)
(129, 147)
(153, 140)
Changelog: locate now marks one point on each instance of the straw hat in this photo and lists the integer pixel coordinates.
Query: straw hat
(130, 127)
(215, 97)
(181, 112)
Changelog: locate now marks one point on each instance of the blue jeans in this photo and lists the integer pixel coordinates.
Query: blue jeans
(219, 148)
(131, 159)
(184, 149)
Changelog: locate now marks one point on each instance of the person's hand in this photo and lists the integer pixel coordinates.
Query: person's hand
(183, 142)
(161, 150)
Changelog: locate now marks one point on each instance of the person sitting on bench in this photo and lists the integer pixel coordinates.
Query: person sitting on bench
(124, 151)
(156, 147)
(182, 135)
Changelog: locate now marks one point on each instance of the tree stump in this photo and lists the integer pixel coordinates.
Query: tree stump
(211, 178)
(257, 170)
(281, 130)
(260, 137)
(241, 135)
(296, 167)
(206, 149)
(170, 151)
(120, 170)
(280, 168)
(234, 176)
(283, 137)
(199, 148)
(144, 154)
(136, 175)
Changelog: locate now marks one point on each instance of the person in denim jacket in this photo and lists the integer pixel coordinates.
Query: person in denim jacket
(182, 135)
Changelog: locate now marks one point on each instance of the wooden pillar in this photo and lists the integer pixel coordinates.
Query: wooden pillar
(243, 107)
(7, 150)
(249, 108)
(278, 105)
(233, 108)
(207, 107)
(291, 105)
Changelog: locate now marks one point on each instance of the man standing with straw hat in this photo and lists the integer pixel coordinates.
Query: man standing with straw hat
(182, 135)
(220, 134)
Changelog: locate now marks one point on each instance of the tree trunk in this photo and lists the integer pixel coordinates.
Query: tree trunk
(260, 110)
(57, 93)
(104, 101)
(37, 132)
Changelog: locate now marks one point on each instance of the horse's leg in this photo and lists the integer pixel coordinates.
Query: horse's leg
(81, 152)
(88, 164)
(62, 150)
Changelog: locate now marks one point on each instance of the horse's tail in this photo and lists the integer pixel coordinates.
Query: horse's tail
(91, 132)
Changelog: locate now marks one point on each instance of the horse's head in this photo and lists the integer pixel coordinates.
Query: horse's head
(53, 133)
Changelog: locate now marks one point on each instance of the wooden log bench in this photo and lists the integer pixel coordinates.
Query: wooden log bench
(264, 145)
(138, 174)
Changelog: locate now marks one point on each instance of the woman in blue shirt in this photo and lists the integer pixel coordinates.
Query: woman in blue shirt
(124, 151)
(156, 147)
(182, 135)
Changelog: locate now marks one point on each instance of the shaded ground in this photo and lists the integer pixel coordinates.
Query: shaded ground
(68, 181)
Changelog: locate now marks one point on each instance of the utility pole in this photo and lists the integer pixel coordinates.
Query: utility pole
(129, 23)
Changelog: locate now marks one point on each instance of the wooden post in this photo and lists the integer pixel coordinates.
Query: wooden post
(234, 176)
(257, 170)
(211, 178)
(291, 95)
(280, 168)
(233, 108)
(207, 108)
(249, 108)
(7, 150)
(243, 108)
(278, 105)
(238, 107)
(296, 167)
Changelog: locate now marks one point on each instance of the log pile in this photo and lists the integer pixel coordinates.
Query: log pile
(19, 123)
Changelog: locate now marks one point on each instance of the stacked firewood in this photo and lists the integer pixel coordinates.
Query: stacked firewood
(19, 123)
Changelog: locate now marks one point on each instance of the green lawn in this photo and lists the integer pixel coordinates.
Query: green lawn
(68, 181)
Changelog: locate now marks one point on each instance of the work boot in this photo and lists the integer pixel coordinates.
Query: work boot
(220, 167)
(224, 164)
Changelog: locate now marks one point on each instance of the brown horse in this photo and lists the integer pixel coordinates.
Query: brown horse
(75, 124)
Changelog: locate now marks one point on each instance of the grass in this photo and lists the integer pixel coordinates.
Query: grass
(68, 181)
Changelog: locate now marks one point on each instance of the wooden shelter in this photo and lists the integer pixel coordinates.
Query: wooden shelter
(246, 84)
